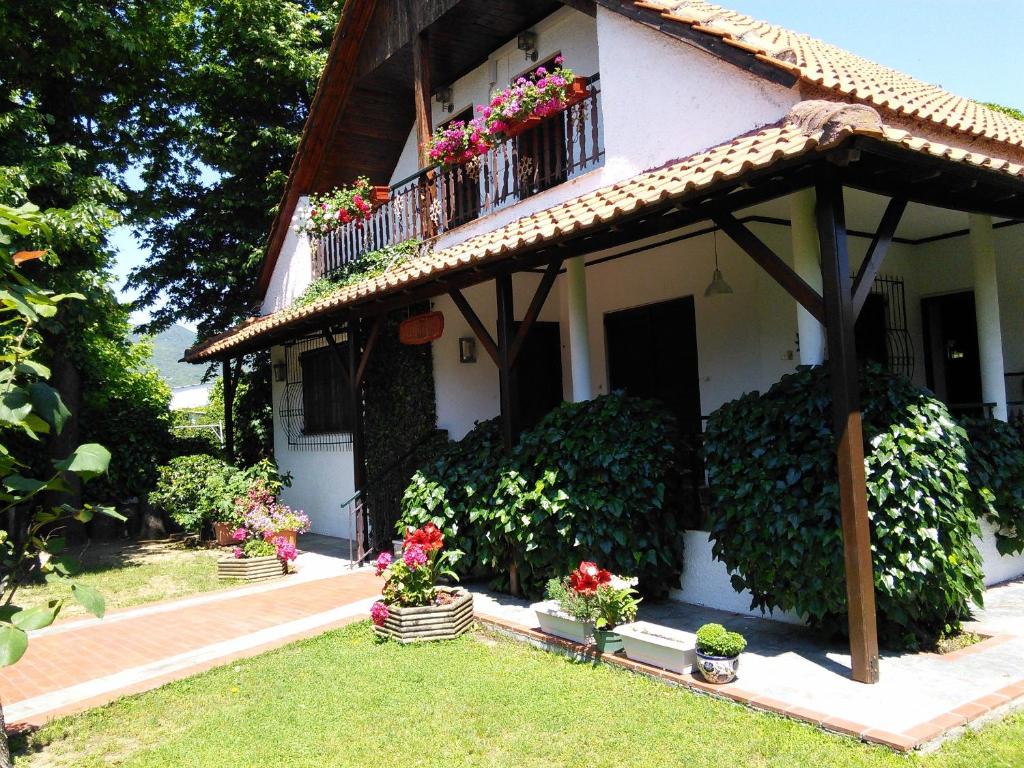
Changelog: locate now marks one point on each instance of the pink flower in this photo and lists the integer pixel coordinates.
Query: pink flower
(379, 613)
(541, 71)
(239, 534)
(285, 549)
(237, 553)
(414, 556)
(559, 60)
(383, 561)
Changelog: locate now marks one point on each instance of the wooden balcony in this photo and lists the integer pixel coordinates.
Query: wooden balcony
(435, 200)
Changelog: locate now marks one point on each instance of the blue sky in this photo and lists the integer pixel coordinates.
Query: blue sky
(973, 50)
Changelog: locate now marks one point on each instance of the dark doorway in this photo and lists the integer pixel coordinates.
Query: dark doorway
(652, 353)
(461, 188)
(541, 152)
(951, 354)
(539, 369)
(872, 331)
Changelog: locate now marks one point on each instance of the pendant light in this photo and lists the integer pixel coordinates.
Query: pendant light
(717, 286)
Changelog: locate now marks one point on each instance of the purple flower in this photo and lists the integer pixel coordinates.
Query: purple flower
(414, 556)
(379, 613)
(239, 534)
(383, 561)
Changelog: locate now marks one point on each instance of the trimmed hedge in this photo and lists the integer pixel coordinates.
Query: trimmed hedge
(776, 523)
(587, 482)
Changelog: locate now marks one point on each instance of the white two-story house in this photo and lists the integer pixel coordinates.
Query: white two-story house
(839, 206)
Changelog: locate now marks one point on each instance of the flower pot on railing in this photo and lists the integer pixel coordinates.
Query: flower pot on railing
(379, 195)
(579, 89)
(531, 121)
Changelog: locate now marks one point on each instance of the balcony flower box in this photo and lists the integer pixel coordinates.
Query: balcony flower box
(529, 123)
(450, 616)
(659, 646)
(379, 195)
(579, 89)
(251, 568)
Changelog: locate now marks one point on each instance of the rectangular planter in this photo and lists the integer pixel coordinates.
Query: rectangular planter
(524, 125)
(553, 621)
(251, 568)
(379, 195)
(659, 646)
(429, 622)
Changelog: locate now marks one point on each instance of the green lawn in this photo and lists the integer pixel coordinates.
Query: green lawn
(342, 699)
(128, 573)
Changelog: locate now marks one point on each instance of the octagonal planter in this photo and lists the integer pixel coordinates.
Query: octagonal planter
(429, 622)
(251, 568)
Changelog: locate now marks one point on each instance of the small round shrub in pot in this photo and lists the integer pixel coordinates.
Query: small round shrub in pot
(718, 653)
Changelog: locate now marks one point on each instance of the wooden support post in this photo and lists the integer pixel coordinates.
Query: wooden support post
(423, 90)
(509, 390)
(536, 305)
(358, 447)
(853, 501)
(229, 408)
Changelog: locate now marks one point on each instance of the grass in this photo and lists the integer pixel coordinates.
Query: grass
(129, 573)
(343, 699)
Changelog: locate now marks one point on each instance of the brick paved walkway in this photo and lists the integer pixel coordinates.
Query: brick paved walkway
(82, 664)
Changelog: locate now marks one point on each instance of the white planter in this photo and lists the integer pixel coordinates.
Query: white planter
(664, 647)
(553, 621)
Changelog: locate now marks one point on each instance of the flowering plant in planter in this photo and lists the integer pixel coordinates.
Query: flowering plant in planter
(334, 209)
(459, 142)
(542, 94)
(592, 595)
(250, 543)
(260, 511)
(410, 579)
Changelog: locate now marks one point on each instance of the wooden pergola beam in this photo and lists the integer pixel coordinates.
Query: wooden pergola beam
(853, 502)
(358, 437)
(770, 262)
(511, 424)
(876, 252)
(371, 341)
(485, 339)
(536, 304)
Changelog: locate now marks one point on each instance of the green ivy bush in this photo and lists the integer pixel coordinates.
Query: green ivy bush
(995, 465)
(775, 518)
(197, 490)
(588, 482)
(370, 264)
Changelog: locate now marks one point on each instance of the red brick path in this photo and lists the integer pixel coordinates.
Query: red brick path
(78, 655)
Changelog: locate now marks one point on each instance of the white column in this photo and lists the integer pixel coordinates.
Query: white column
(579, 331)
(807, 264)
(986, 308)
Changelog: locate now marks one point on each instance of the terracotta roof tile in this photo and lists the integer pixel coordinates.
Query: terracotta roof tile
(810, 126)
(842, 72)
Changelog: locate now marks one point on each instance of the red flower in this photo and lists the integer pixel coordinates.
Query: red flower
(588, 577)
(429, 537)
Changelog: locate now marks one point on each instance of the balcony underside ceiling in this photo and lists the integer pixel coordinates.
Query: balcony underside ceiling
(370, 130)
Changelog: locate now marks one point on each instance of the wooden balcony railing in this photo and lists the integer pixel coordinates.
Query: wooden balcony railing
(435, 200)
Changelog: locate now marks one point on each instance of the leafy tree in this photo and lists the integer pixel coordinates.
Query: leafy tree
(226, 124)
(30, 409)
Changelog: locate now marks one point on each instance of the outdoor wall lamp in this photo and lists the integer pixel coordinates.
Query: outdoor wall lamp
(467, 349)
(717, 286)
(444, 97)
(280, 371)
(527, 43)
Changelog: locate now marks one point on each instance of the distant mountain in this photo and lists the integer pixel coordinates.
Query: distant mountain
(168, 348)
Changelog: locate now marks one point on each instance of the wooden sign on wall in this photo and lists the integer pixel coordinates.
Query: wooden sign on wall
(421, 329)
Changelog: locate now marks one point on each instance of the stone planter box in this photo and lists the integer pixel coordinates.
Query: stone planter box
(251, 568)
(429, 622)
(663, 647)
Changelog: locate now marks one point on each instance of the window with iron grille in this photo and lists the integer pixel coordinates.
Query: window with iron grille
(315, 407)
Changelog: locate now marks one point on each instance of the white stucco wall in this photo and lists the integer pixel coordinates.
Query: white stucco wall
(321, 479)
(294, 269)
(997, 568)
(665, 100)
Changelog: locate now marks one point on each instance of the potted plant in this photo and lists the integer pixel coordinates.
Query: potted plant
(587, 605)
(671, 649)
(531, 99)
(718, 653)
(260, 511)
(412, 606)
(342, 205)
(459, 142)
(256, 556)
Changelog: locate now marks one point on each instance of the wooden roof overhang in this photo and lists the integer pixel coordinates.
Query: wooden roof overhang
(860, 162)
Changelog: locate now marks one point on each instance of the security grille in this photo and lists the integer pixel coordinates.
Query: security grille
(898, 341)
(307, 430)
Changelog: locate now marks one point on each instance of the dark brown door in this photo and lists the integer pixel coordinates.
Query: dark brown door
(541, 153)
(461, 187)
(952, 360)
(872, 331)
(652, 353)
(539, 369)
